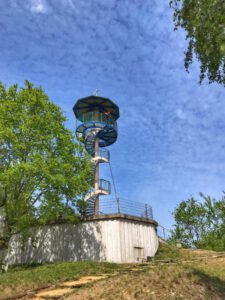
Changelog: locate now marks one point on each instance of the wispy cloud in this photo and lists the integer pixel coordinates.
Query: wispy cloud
(37, 6)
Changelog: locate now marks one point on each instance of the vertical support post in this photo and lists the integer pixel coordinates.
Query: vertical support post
(118, 204)
(146, 211)
(96, 176)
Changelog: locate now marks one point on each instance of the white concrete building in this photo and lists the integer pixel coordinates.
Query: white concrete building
(114, 238)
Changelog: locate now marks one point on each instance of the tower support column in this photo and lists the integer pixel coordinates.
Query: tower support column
(96, 176)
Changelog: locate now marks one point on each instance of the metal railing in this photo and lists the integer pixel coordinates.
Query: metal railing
(95, 116)
(97, 123)
(162, 232)
(104, 153)
(124, 206)
(104, 185)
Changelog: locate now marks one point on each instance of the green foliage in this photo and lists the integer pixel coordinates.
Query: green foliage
(204, 23)
(81, 206)
(43, 171)
(200, 224)
(167, 251)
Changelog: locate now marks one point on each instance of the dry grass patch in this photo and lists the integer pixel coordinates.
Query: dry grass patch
(166, 282)
(191, 274)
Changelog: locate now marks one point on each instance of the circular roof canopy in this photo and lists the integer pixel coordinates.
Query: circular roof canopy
(96, 103)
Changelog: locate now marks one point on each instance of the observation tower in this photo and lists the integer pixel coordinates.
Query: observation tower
(97, 128)
(124, 234)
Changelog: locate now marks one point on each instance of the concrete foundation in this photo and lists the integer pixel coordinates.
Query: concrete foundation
(109, 238)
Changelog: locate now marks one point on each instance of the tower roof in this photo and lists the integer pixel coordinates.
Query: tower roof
(93, 103)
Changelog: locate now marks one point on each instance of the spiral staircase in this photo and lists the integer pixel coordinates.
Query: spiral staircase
(96, 128)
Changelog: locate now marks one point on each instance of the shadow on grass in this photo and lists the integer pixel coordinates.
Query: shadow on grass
(214, 285)
(24, 267)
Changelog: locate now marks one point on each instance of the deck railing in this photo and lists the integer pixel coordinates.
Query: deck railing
(95, 116)
(104, 185)
(104, 153)
(125, 206)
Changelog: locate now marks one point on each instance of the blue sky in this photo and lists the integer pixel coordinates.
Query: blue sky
(171, 141)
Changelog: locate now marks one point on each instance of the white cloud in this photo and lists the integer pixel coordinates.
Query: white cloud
(180, 114)
(38, 6)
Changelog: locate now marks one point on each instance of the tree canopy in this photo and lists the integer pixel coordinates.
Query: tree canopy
(43, 171)
(200, 224)
(204, 23)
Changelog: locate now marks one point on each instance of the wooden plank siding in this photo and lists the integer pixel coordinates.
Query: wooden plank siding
(112, 239)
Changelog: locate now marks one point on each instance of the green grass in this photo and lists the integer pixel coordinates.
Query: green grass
(168, 252)
(20, 279)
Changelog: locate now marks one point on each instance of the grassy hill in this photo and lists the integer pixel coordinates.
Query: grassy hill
(173, 274)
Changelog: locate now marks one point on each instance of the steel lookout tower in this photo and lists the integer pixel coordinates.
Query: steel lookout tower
(96, 125)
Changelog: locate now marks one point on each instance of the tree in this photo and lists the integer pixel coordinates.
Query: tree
(43, 171)
(189, 225)
(204, 23)
(200, 224)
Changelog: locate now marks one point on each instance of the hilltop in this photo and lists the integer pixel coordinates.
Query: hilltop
(172, 274)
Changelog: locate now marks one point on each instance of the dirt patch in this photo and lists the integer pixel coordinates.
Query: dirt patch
(66, 287)
(83, 280)
(53, 294)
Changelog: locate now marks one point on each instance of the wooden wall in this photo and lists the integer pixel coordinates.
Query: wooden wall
(116, 240)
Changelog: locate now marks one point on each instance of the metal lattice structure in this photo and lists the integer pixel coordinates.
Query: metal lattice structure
(97, 128)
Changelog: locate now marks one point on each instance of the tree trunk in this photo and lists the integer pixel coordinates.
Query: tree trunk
(4, 243)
